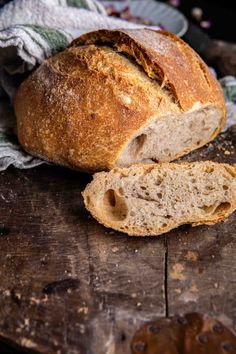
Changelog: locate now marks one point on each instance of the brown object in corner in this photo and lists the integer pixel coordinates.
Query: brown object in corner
(115, 98)
(190, 334)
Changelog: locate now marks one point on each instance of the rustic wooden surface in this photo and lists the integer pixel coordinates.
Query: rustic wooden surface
(68, 285)
(202, 261)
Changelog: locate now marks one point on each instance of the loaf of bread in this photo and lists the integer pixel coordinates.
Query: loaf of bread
(119, 97)
(153, 199)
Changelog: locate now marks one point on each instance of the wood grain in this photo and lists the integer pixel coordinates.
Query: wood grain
(202, 260)
(68, 285)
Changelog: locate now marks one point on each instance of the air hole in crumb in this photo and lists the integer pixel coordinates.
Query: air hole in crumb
(209, 169)
(110, 197)
(143, 188)
(153, 160)
(198, 142)
(137, 143)
(223, 207)
(208, 208)
(168, 216)
(115, 205)
(193, 180)
(212, 209)
(159, 195)
(209, 188)
(158, 181)
(164, 225)
(121, 191)
(225, 187)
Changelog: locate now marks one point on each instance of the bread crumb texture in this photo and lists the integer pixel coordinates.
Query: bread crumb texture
(153, 199)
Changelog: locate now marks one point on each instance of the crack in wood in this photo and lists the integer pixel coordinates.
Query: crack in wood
(166, 277)
(90, 265)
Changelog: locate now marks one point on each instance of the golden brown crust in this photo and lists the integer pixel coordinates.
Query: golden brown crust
(73, 110)
(70, 111)
(166, 57)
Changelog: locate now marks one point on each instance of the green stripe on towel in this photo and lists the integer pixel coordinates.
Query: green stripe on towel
(55, 39)
(78, 3)
(31, 37)
(230, 93)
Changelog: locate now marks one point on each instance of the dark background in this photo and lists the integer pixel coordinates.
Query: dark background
(221, 14)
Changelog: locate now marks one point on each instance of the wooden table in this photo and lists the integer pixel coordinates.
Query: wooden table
(69, 285)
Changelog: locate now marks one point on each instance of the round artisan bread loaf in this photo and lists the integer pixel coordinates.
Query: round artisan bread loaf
(119, 97)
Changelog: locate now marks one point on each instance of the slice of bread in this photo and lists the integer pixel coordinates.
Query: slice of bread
(153, 199)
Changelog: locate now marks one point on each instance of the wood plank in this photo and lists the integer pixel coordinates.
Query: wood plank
(68, 285)
(128, 277)
(41, 288)
(202, 260)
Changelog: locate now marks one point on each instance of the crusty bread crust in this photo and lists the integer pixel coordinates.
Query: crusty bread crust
(74, 110)
(166, 58)
(95, 193)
